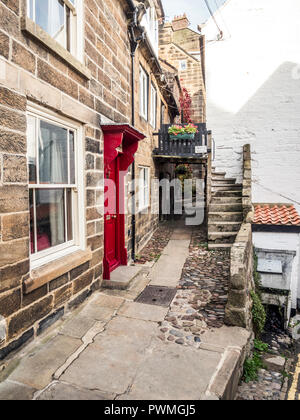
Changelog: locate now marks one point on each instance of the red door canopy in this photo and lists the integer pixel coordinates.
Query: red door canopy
(124, 136)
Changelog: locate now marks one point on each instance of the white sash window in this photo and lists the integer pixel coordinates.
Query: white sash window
(153, 108)
(59, 19)
(144, 188)
(144, 84)
(55, 190)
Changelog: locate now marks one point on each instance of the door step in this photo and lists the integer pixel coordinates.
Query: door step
(122, 277)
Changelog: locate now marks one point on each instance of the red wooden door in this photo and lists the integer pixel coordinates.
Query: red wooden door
(111, 219)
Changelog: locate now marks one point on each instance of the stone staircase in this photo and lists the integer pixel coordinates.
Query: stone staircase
(225, 213)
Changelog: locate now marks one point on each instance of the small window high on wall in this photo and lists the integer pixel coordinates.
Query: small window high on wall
(59, 19)
(55, 190)
(144, 87)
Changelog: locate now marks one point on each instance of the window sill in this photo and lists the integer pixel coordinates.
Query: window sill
(55, 269)
(30, 27)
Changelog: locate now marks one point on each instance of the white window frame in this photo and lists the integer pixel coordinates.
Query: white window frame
(76, 25)
(150, 22)
(153, 106)
(144, 187)
(182, 65)
(144, 93)
(78, 214)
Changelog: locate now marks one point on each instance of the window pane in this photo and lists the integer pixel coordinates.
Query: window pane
(50, 15)
(32, 233)
(69, 214)
(72, 157)
(30, 9)
(50, 218)
(31, 148)
(68, 31)
(53, 154)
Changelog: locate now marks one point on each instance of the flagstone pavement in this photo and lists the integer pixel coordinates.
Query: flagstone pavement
(114, 348)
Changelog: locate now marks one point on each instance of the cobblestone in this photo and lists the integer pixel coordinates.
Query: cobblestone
(156, 244)
(199, 303)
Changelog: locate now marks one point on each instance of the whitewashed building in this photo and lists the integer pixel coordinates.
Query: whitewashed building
(253, 93)
(253, 97)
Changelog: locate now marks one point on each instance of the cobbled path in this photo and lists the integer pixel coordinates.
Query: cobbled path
(202, 294)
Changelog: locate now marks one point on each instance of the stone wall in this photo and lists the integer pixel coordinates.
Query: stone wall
(35, 69)
(238, 308)
(172, 49)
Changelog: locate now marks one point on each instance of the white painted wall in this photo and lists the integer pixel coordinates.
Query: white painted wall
(283, 241)
(253, 93)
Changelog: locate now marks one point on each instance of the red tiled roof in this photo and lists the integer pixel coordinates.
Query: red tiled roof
(276, 214)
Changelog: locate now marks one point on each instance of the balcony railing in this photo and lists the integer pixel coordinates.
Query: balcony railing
(196, 147)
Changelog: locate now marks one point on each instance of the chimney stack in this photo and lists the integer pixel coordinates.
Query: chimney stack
(180, 22)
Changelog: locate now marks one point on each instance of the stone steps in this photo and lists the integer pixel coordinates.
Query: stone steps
(220, 180)
(223, 216)
(226, 207)
(221, 247)
(222, 237)
(228, 199)
(227, 193)
(225, 212)
(226, 187)
(221, 174)
(214, 226)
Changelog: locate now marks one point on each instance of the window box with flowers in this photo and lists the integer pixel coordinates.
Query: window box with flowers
(179, 132)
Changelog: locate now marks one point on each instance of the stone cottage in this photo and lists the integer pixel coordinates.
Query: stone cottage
(81, 92)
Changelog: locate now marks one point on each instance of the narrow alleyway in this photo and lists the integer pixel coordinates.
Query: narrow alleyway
(115, 347)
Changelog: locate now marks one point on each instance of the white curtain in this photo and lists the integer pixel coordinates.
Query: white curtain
(52, 171)
(56, 21)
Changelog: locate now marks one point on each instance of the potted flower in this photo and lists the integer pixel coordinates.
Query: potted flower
(179, 132)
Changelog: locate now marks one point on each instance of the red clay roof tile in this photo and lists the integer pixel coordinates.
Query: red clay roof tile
(276, 214)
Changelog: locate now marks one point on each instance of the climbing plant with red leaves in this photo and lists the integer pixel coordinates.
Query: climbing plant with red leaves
(185, 102)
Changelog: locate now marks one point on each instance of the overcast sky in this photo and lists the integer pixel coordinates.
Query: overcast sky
(196, 10)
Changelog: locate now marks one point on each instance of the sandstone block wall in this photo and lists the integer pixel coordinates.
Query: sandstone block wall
(173, 44)
(31, 71)
(238, 308)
